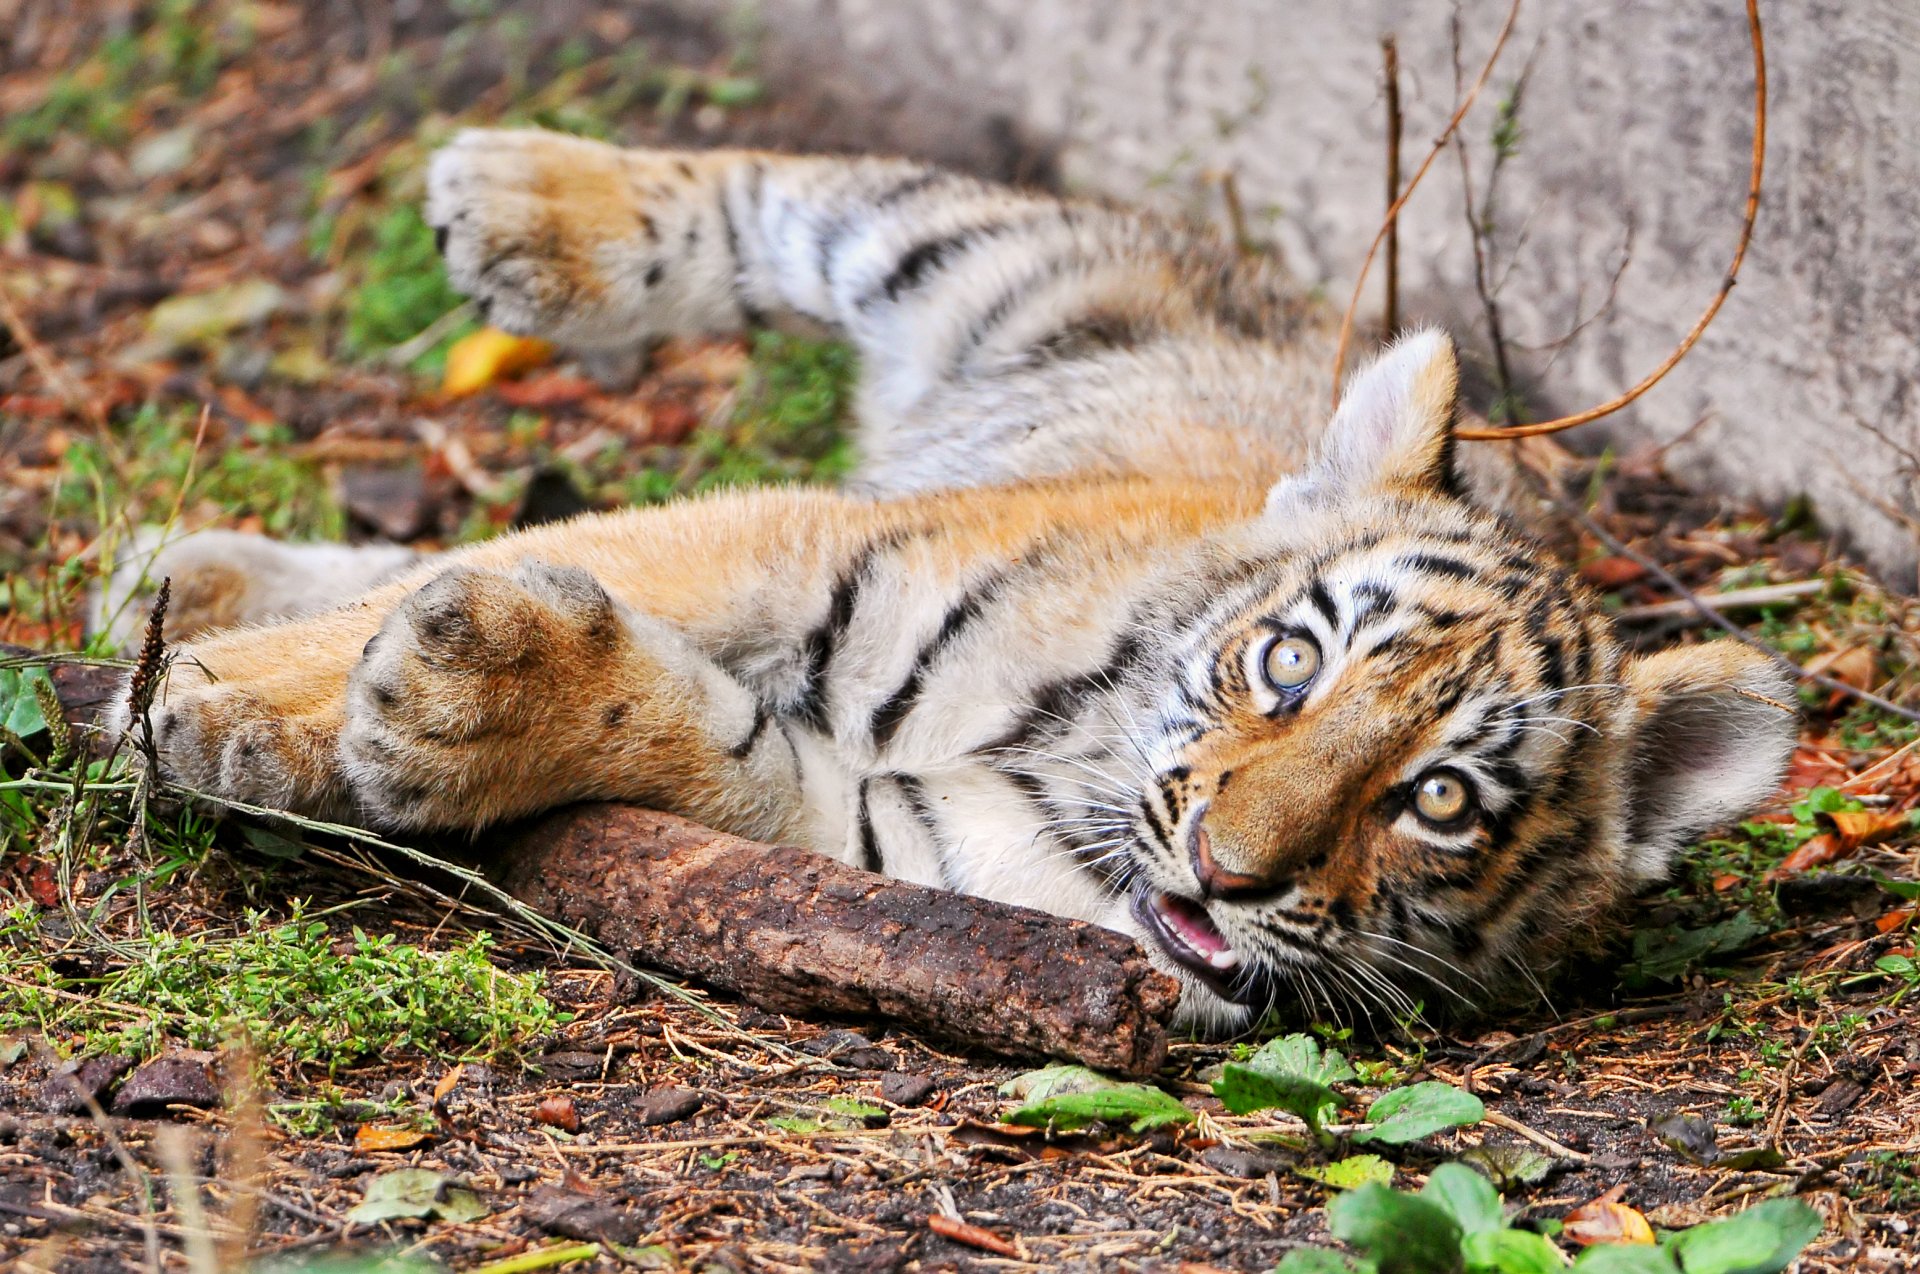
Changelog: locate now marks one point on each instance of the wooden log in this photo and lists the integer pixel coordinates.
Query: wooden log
(797, 932)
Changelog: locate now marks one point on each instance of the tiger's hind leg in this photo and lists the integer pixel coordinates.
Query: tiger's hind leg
(1002, 335)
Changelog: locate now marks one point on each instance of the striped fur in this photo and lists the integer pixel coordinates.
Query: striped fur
(1030, 652)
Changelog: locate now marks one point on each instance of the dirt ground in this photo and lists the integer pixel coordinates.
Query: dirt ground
(264, 159)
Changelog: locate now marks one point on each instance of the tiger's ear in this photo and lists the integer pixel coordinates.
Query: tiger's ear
(1393, 430)
(1711, 731)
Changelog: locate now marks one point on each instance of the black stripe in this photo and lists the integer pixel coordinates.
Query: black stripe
(1323, 602)
(917, 262)
(1087, 336)
(1434, 564)
(1160, 832)
(905, 187)
(870, 858)
(888, 717)
(740, 750)
(810, 703)
(916, 794)
(1003, 305)
(750, 314)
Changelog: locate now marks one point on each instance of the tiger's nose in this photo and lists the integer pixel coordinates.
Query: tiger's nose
(1216, 881)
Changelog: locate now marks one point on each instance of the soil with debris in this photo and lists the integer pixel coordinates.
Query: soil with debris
(206, 262)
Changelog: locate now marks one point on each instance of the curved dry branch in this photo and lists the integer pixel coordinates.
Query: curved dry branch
(1713, 307)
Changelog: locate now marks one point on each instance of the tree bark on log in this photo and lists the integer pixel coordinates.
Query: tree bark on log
(797, 932)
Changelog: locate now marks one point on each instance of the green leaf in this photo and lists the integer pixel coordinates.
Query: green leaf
(849, 1112)
(1350, 1173)
(1290, 1074)
(794, 1123)
(1500, 1251)
(1401, 1233)
(1050, 1081)
(1467, 1197)
(1509, 1166)
(1300, 1055)
(1665, 954)
(20, 713)
(1762, 1240)
(1898, 965)
(1243, 1090)
(1625, 1258)
(1408, 1114)
(1904, 889)
(1139, 1106)
(1320, 1260)
(415, 1192)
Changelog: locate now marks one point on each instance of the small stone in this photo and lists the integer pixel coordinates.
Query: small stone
(391, 500)
(668, 1105)
(570, 1066)
(1234, 1161)
(72, 1082)
(177, 1079)
(905, 1090)
(830, 1043)
(581, 1216)
(164, 154)
(1839, 1097)
(1692, 1136)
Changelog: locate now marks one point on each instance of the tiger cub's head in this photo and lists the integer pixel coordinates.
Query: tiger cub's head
(1394, 751)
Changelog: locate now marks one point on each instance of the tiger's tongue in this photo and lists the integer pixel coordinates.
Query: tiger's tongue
(1197, 930)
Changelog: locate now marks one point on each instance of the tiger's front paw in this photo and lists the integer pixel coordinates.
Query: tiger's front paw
(561, 237)
(233, 742)
(463, 708)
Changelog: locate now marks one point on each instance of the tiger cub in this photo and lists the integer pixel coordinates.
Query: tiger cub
(1105, 624)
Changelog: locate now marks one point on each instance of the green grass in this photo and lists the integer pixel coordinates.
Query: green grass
(107, 977)
(789, 426)
(292, 990)
(170, 49)
(402, 289)
(142, 476)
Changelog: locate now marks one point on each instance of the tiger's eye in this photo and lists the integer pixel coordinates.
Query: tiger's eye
(1291, 662)
(1441, 797)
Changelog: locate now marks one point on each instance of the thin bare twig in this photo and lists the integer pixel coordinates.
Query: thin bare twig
(1390, 55)
(1393, 212)
(1236, 214)
(1752, 212)
(1482, 219)
(1720, 621)
(1695, 604)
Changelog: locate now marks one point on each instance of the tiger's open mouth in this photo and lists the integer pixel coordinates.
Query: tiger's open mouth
(1188, 935)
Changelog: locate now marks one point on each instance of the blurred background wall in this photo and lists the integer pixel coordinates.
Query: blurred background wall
(1629, 145)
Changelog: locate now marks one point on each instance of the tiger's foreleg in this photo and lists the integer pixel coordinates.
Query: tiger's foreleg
(483, 692)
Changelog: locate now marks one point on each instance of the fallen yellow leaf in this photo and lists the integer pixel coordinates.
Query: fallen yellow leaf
(375, 1137)
(480, 358)
(1604, 1221)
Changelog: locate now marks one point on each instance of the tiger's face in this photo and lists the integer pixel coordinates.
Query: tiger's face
(1391, 752)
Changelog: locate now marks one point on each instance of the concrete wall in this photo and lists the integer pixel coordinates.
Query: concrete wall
(1636, 112)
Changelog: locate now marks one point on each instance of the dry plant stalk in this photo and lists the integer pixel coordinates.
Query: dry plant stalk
(1393, 212)
(148, 672)
(1390, 55)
